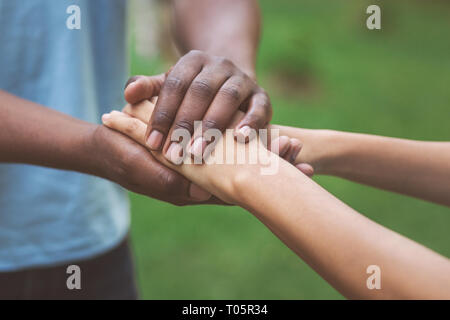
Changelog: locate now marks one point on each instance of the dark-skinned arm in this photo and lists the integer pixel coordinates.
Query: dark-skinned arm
(33, 134)
(214, 78)
(229, 28)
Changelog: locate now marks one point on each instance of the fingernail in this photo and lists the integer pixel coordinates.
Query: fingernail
(198, 194)
(131, 85)
(245, 131)
(284, 151)
(174, 153)
(294, 155)
(106, 117)
(297, 146)
(197, 147)
(154, 140)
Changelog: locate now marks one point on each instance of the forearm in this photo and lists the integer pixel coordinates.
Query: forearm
(332, 238)
(338, 242)
(33, 134)
(416, 168)
(229, 28)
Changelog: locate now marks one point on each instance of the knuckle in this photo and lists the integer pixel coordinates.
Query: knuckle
(132, 126)
(210, 124)
(202, 88)
(162, 117)
(245, 78)
(184, 124)
(253, 118)
(128, 109)
(224, 61)
(231, 92)
(265, 104)
(170, 183)
(257, 120)
(265, 100)
(195, 53)
(174, 84)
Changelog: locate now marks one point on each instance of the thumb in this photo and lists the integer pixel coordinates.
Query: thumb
(140, 88)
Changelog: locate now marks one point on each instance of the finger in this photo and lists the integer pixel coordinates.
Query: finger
(294, 149)
(306, 168)
(129, 126)
(258, 115)
(280, 145)
(230, 96)
(135, 129)
(217, 201)
(196, 102)
(142, 110)
(170, 98)
(198, 194)
(139, 88)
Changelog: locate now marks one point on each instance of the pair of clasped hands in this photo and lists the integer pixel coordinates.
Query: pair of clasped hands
(160, 105)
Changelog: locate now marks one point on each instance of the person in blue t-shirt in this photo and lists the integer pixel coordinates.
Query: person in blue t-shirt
(61, 173)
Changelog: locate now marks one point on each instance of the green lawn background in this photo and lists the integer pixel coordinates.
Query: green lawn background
(322, 69)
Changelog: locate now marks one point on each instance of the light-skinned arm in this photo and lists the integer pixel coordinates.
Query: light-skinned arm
(335, 240)
(416, 168)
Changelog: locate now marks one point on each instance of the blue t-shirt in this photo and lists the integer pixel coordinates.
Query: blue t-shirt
(47, 216)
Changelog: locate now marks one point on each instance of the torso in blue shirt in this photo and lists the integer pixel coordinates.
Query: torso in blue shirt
(49, 216)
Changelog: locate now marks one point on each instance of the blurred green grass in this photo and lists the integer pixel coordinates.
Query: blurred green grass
(322, 69)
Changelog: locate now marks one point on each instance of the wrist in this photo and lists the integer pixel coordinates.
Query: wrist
(245, 60)
(230, 171)
(320, 148)
(250, 182)
(241, 182)
(249, 69)
(225, 180)
(247, 65)
(95, 141)
(246, 179)
(330, 151)
(74, 151)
